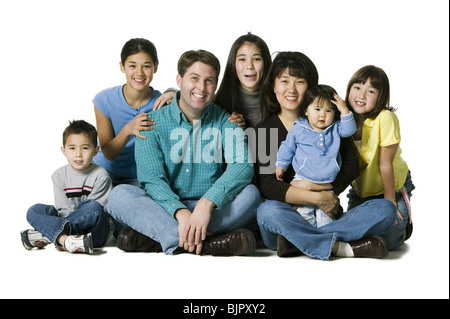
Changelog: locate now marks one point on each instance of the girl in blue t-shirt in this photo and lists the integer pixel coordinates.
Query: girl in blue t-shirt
(122, 111)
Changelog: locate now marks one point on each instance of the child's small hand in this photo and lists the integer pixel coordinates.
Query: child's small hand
(341, 105)
(279, 173)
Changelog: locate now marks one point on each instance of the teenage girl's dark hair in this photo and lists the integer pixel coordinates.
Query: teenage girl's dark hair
(80, 127)
(298, 65)
(380, 81)
(136, 45)
(227, 94)
(322, 93)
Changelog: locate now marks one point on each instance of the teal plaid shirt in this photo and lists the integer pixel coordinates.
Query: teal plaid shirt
(179, 161)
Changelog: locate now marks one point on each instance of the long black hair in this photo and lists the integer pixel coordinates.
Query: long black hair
(227, 94)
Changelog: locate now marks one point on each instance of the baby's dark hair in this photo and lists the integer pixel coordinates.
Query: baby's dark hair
(80, 127)
(323, 93)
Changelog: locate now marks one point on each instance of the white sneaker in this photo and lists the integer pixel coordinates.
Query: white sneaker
(79, 244)
(33, 239)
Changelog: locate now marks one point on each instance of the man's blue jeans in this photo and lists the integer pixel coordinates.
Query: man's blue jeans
(130, 205)
(276, 218)
(89, 217)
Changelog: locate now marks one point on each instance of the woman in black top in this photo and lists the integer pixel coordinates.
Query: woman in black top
(282, 227)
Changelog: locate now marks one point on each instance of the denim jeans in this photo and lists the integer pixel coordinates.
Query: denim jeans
(277, 218)
(314, 215)
(395, 236)
(117, 180)
(89, 217)
(130, 205)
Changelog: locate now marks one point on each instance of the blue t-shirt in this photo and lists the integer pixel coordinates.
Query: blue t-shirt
(111, 102)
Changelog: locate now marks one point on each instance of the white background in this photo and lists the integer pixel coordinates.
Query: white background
(56, 55)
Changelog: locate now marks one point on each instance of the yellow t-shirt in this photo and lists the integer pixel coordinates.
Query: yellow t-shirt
(384, 130)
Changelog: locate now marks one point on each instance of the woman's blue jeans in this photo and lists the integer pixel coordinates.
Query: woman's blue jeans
(89, 217)
(276, 218)
(130, 205)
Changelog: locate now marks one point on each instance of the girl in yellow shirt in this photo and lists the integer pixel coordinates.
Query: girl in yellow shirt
(383, 172)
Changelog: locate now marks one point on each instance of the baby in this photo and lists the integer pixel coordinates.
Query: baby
(312, 145)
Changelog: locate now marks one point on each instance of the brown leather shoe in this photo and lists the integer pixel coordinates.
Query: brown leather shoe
(374, 247)
(238, 243)
(133, 241)
(286, 249)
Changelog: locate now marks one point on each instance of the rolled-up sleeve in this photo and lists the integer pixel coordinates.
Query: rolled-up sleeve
(239, 167)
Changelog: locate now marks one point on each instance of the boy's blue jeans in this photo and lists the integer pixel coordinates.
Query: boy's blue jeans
(130, 205)
(89, 217)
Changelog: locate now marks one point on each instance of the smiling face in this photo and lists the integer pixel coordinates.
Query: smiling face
(197, 87)
(320, 114)
(363, 97)
(249, 66)
(289, 90)
(79, 151)
(139, 70)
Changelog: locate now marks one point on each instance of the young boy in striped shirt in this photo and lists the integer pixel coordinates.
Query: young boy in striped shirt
(77, 222)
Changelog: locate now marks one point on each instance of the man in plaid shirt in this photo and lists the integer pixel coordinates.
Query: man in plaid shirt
(196, 173)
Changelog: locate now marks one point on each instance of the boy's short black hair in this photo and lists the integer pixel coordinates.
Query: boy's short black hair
(80, 127)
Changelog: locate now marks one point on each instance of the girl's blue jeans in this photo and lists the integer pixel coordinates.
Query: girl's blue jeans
(117, 180)
(130, 205)
(89, 217)
(395, 236)
(371, 218)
